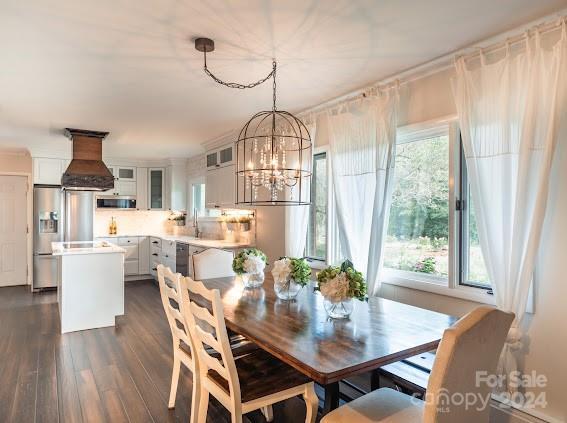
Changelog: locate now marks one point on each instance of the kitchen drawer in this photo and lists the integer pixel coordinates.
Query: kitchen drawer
(128, 240)
(131, 252)
(131, 267)
(168, 247)
(155, 255)
(155, 242)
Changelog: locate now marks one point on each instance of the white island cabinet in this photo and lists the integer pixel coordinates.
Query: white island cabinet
(90, 286)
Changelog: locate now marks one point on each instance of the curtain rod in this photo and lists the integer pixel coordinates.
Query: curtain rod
(439, 64)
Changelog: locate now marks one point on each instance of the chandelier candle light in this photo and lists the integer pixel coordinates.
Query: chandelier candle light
(273, 150)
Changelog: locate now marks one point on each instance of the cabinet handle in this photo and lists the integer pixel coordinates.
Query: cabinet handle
(154, 254)
(155, 242)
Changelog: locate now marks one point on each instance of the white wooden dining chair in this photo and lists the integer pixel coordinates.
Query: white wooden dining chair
(212, 263)
(173, 298)
(470, 346)
(170, 289)
(251, 382)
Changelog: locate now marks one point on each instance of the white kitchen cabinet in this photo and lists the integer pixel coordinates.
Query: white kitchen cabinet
(142, 188)
(176, 187)
(156, 188)
(144, 255)
(131, 258)
(227, 186)
(220, 157)
(48, 171)
(211, 188)
(220, 187)
(124, 180)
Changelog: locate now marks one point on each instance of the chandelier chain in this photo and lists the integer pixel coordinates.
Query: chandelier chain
(237, 85)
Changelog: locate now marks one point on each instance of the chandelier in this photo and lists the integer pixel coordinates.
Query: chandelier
(273, 150)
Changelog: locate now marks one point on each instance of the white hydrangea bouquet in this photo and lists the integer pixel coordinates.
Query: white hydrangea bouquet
(290, 275)
(338, 286)
(250, 264)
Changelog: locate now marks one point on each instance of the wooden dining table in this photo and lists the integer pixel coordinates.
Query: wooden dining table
(299, 332)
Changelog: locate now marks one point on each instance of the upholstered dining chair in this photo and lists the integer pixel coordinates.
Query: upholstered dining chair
(251, 382)
(212, 263)
(470, 346)
(173, 296)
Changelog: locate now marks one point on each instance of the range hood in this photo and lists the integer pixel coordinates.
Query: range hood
(87, 171)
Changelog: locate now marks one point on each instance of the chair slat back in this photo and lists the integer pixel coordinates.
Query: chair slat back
(212, 263)
(171, 291)
(201, 319)
(470, 347)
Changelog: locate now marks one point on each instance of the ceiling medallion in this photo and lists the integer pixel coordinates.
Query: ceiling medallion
(273, 150)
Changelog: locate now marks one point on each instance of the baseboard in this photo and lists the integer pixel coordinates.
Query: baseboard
(507, 412)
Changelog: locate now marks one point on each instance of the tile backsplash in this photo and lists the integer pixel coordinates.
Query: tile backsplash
(130, 222)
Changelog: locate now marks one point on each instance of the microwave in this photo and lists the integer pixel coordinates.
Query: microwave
(122, 202)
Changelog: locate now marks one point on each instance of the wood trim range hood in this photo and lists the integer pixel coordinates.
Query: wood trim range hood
(87, 171)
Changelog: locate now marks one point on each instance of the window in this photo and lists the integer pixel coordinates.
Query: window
(432, 239)
(316, 248)
(198, 198)
(418, 232)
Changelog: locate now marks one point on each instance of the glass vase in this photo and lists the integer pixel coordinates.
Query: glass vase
(253, 280)
(287, 289)
(339, 309)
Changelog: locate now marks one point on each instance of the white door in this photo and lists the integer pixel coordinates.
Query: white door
(13, 230)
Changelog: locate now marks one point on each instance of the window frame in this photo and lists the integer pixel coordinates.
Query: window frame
(453, 286)
(316, 262)
(462, 208)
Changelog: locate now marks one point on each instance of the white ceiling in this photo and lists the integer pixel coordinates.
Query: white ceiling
(129, 67)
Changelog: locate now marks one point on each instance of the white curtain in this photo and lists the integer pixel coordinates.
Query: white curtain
(509, 113)
(297, 218)
(362, 140)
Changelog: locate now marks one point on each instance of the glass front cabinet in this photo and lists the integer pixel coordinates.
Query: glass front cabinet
(156, 188)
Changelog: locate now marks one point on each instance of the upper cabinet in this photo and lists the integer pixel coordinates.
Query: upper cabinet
(220, 180)
(156, 188)
(48, 171)
(220, 157)
(177, 186)
(142, 188)
(124, 180)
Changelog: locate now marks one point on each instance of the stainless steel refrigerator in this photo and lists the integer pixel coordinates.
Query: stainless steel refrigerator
(58, 216)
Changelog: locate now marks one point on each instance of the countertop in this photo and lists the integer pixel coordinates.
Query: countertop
(84, 247)
(198, 242)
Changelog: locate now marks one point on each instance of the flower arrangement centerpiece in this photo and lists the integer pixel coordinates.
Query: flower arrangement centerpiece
(339, 285)
(290, 275)
(250, 264)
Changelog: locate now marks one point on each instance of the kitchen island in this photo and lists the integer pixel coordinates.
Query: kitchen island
(90, 285)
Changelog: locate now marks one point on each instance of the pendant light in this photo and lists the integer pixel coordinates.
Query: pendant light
(273, 150)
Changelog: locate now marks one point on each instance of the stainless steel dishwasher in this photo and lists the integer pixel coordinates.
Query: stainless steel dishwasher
(182, 258)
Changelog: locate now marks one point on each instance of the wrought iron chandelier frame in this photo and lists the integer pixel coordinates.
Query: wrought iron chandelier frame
(269, 176)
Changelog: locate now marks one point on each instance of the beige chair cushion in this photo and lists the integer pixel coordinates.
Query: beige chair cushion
(212, 263)
(383, 405)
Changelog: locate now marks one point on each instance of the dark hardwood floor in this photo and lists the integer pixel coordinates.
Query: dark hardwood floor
(119, 374)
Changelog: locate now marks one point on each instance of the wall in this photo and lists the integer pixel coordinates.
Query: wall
(15, 161)
(270, 235)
